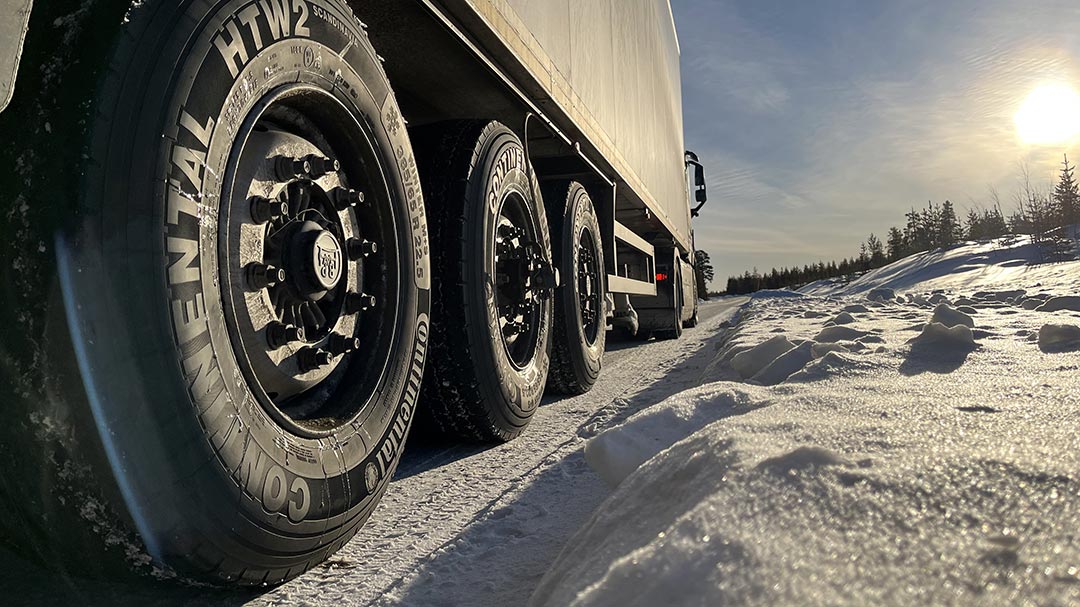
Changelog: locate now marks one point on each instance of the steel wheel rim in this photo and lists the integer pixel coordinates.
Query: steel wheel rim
(518, 297)
(588, 280)
(308, 260)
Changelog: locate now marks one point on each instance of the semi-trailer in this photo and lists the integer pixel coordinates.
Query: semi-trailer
(247, 243)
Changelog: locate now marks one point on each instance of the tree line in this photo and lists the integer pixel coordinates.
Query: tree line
(1039, 212)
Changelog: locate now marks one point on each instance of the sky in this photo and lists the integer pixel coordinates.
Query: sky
(821, 122)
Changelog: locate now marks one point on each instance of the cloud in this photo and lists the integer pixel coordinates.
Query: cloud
(819, 124)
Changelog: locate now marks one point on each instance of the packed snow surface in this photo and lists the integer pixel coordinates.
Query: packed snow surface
(925, 453)
(995, 264)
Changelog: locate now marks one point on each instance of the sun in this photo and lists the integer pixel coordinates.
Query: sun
(1049, 116)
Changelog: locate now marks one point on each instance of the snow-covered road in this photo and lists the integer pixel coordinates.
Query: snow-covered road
(460, 525)
(467, 525)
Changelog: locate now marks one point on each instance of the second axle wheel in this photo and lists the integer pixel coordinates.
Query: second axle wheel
(580, 319)
(492, 281)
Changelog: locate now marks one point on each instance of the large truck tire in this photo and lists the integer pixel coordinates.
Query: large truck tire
(580, 319)
(492, 281)
(232, 279)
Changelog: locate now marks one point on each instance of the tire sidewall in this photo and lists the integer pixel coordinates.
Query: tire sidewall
(230, 475)
(581, 214)
(502, 169)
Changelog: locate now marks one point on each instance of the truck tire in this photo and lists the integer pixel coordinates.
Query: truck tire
(676, 325)
(491, 342)
(247, 316)
(578, 346)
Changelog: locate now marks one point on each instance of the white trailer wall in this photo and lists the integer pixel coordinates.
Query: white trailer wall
(620, 61)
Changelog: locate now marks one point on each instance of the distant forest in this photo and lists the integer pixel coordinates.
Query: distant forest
(1039, 212)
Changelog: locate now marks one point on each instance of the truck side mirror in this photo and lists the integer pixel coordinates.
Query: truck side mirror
(701, 194)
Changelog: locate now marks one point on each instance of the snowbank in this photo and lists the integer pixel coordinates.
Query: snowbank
(967, 266)
(924, 451)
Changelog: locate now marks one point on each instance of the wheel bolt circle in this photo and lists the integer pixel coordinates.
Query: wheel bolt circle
(359, 248)
(311, 359)
(264, 209)
(260, 275)
(279, 334)
(358, 302)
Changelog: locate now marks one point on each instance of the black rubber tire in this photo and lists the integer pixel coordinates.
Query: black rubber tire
(576, 360)
(676, 327)
(471, 389)
(189, 462)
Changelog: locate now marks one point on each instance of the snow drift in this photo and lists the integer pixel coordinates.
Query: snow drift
(923, 451)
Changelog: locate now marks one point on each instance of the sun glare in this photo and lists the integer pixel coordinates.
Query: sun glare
(1050, 115)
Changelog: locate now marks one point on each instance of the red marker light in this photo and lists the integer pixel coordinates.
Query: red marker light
(661, 277)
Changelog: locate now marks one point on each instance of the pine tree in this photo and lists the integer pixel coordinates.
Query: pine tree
(703, 272)
(1066, 196)
(974, 226)
(896, 245)
(993, 223)
(876, 251)
(948, 226)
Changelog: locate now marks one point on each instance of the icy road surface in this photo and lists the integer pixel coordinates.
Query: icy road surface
(460, 525)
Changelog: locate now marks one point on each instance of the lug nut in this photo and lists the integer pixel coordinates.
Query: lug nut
(358, 302)
(313, 358)
(358, 248)
(260, 275)
(317, 166)
(287, 168)
(280, 334)
(340, 344)
(345, 198)
(512, 328)
(311, 166)
(264, 209)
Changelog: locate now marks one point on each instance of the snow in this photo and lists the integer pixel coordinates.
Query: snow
(790, 362)
(753, 361)
(839, 333)
(775, 294)
(1059, 338)
(944, 339)
(969, 266)
(855, 463)
(951, 317)
(1061, 303)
